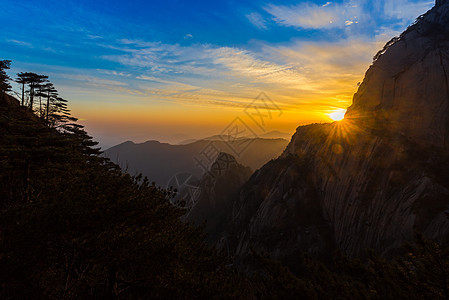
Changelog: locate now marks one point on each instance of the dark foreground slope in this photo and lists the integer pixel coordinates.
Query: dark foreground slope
(371, 180)
(72, 226)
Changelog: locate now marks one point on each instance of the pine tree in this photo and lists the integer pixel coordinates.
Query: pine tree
(23, 78)
(34, 82)
(59, 113)
(4, 78)
(47, 91)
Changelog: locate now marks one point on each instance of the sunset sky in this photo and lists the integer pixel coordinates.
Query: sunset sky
(174, 70)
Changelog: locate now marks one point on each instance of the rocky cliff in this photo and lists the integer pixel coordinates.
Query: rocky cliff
(371, 180)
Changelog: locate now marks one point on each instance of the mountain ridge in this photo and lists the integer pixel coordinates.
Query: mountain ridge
(160, 162)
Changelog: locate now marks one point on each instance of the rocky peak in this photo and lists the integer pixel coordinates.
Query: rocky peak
(216, 188)
(221, 165)
(371, 180)
(406, 90)
(439, 16)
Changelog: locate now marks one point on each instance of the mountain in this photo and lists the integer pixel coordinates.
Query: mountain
(224, 177)
(275, 134)
(370, 180)
(162, 162)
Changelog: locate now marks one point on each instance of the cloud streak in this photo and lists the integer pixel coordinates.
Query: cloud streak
(20, 43)
(93, 81)
(309, 15)
(257, 20)
(313, 16)
(406, 10)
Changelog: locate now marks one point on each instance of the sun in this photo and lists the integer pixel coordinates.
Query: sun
(337, 115)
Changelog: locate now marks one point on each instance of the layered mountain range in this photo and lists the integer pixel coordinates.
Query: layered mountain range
(162, 162)
(368, 181)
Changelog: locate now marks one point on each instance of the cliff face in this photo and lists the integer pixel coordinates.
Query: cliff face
(406, 90)
(370, 180)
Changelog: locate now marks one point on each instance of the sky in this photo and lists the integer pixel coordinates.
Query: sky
(174, 70)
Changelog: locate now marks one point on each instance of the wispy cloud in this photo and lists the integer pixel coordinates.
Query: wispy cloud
(114, 73)
(21, 43)
(310, 15)
(93, 81)
(257, 20)
(94, 37)
(244, 66)
(331, 67)
(157, 56)
(406, 10)
(207, 62)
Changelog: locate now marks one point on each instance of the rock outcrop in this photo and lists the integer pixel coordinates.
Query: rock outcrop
(371, 180)
(220, 183)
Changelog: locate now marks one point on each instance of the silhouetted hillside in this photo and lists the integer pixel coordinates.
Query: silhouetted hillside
(73, 226)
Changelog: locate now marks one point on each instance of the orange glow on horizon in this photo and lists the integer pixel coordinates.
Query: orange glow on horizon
(111, 122)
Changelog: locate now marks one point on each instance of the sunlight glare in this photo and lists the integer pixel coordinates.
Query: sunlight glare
(338, 114)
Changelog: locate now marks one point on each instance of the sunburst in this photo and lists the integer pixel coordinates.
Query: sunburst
(337, 115)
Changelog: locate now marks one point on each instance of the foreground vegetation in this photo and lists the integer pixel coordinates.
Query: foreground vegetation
(73, 226)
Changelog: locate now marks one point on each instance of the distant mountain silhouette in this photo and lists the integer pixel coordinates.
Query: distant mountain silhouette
(160, 162)
(276, 135)
(269, 135)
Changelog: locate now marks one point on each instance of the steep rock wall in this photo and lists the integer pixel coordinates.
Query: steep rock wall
(371, 180)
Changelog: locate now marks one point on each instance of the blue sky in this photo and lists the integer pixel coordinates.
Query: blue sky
(198, 58)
